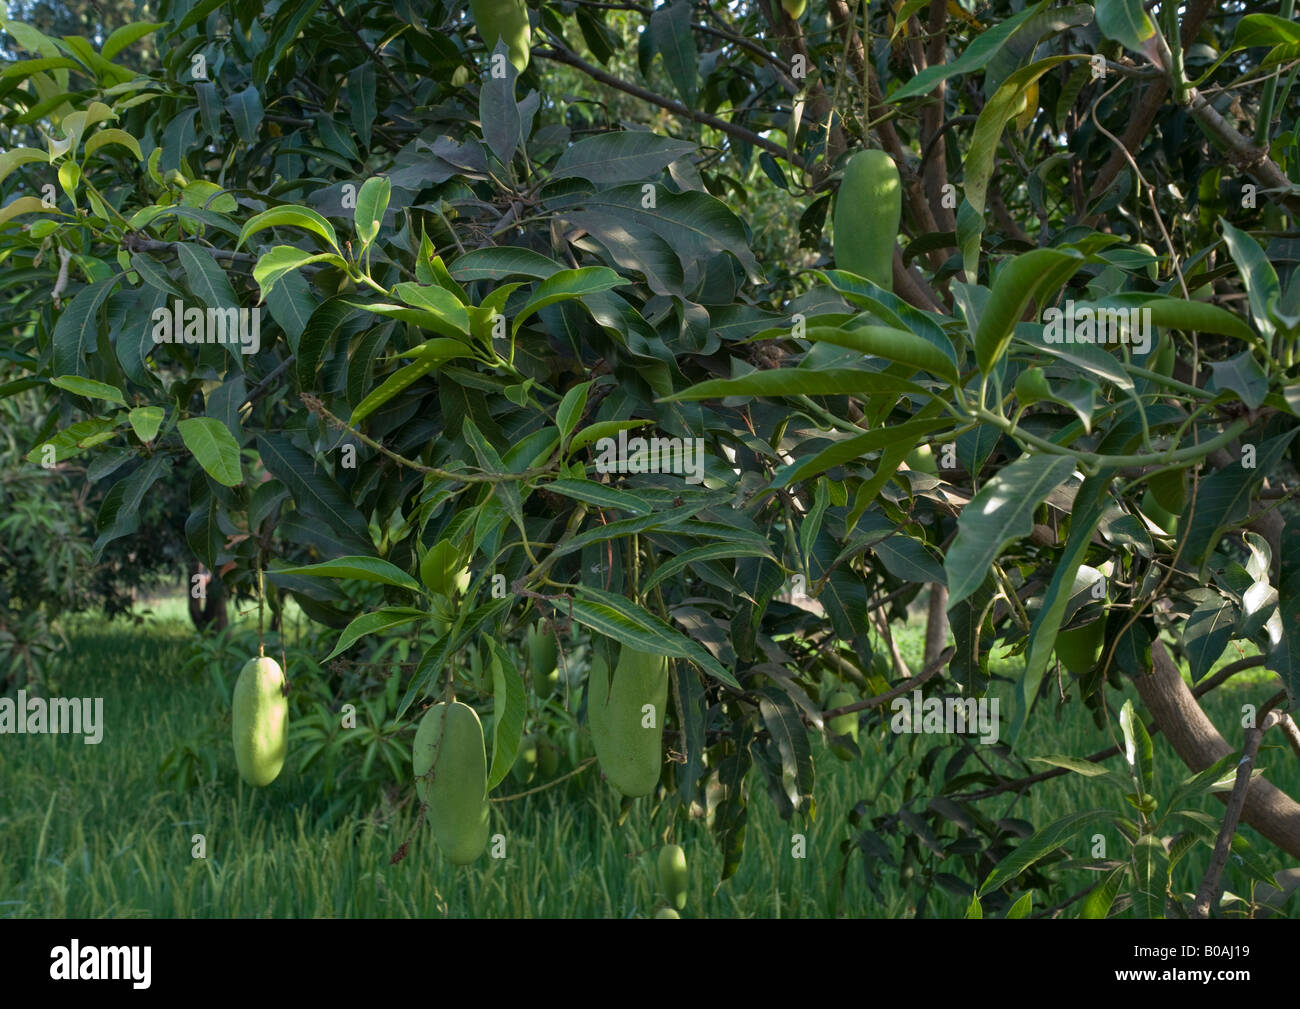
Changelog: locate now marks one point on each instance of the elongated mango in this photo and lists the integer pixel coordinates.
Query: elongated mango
(260, 721)
(626, 715)
(542, 657)
(449, 742)
(794, 8)
(672, 874)
(868, 210)
(504, 19)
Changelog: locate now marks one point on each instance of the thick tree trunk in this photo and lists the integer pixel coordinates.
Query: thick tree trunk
(209, 612)
(1195, 739)
(936, 624)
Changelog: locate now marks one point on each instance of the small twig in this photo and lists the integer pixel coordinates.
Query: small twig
(1208, 895)
(550, 784)
(941, 660)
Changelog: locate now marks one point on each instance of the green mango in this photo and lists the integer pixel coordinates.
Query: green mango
(1080, 647)
(260, 721)
(868, 210)
(794, 8)
(1163, 518)
(921, 459)
(842, 725)
(456, 793)
(630, 753)
(542, 656)
(526, 761)
(672, 874)
(508, 19)
(666, 912)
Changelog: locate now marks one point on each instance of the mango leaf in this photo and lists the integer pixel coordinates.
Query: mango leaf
(1207, 631)
(982, 49)
(1020, 281)
(855, 447)
(89, 388)
(1044, 842)
(290, 216)
(1263, 289)
(76, 334)
(609, 159)
(1126, 22)
(1284, 658)
(369, 623)
(432, 354)
(1002, 511)
(1191, 316)
(567, 285)
(275, 263)
(798, 382)
(215, 448)
(619, 619)
(372, 201)
(119, 138)
(313, 487)
(366, 569)
(1098, 903)
(508, 709)
(127, 35)
(898, 345)
(1089, 506)
(145, 421)
(1138, 753)
(787, 732)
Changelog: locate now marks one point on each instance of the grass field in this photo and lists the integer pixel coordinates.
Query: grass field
(96, 831)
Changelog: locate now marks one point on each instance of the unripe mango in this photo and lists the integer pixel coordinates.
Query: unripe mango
(1080, 647)
(1162, 517)
(526, 762)
(672, 874)
(666, 912)
(794, 8)
(504, 19)
(868, 209)
(542, 655)
(921, 459)
(450, 742)
(626, 716)
(260, 721)
(548, 756)
(842, 725)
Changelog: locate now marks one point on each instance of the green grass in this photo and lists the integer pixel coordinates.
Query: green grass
(94, 831)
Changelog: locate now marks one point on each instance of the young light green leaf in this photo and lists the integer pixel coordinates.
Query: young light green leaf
(290, 216)
(368, 214)
(89, 388)
(370, 623)
(145, 421)
(215, 448)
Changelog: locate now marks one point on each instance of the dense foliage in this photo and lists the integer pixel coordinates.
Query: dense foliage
(462, 292)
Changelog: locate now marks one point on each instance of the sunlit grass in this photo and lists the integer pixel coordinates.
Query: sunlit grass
(94, 831)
